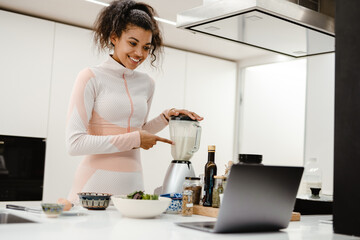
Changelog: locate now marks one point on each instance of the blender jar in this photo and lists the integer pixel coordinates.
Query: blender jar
(185, 133)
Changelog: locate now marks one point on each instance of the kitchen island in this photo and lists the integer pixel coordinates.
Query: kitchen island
(108, 224)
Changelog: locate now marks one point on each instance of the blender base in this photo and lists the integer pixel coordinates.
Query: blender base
(175, 176)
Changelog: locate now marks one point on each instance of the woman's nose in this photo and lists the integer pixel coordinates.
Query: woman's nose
(139, 52)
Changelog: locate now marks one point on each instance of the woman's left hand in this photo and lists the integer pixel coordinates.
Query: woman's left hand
(192, 115)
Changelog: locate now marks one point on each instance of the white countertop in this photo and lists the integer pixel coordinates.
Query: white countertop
(109, 224)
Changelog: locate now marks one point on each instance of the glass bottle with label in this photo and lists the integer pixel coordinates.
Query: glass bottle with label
(210, 172)
(312, 176)
(217, 191)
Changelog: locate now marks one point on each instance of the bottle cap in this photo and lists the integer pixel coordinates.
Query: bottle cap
(211, 148)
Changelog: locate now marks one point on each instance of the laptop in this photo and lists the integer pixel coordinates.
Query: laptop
(257, 198)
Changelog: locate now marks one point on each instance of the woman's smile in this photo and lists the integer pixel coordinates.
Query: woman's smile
(135, 60)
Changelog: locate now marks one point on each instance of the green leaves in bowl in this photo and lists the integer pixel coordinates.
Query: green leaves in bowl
(142, 196)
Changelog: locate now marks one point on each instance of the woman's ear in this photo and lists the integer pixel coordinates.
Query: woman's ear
(113, 38)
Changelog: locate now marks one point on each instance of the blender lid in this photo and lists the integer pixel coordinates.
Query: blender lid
(182, 117)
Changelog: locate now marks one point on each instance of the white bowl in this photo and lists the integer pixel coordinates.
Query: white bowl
(136, 208)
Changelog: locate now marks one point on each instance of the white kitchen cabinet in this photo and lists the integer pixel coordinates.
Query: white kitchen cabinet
(26, 45)
(210, 91)
(73, 51)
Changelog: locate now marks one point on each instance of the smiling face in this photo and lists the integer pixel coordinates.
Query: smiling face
(132, 47)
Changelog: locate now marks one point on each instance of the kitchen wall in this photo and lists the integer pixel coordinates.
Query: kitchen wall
(299, 104)
(273, 112)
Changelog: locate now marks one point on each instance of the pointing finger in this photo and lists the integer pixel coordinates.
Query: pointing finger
(164, 140)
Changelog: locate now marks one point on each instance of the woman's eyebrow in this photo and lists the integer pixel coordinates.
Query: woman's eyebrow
(139, 41)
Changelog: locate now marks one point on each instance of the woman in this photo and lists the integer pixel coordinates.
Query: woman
(110, 103)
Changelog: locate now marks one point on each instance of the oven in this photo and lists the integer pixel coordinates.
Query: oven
(22, 162)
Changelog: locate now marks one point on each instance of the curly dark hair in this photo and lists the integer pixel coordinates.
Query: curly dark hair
(121, 14)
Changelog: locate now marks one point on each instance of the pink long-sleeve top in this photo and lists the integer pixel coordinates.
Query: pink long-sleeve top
(108, 107)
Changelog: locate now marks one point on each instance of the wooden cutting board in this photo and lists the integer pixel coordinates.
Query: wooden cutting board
(213, 212)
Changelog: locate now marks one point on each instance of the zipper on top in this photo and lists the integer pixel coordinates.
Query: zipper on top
(131, 103)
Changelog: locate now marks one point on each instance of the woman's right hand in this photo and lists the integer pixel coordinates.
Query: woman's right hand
(148, 140)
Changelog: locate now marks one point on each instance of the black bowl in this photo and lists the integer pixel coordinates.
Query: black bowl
(250, 158)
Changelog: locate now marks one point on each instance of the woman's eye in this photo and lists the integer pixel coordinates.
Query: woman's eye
(146, 48)
(133, 43)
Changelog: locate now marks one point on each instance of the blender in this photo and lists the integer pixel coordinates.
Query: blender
(185, 133)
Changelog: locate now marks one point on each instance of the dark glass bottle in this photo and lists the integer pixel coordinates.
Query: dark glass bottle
(210, 172)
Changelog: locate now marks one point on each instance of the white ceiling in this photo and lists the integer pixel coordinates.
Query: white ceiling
(82, 13)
